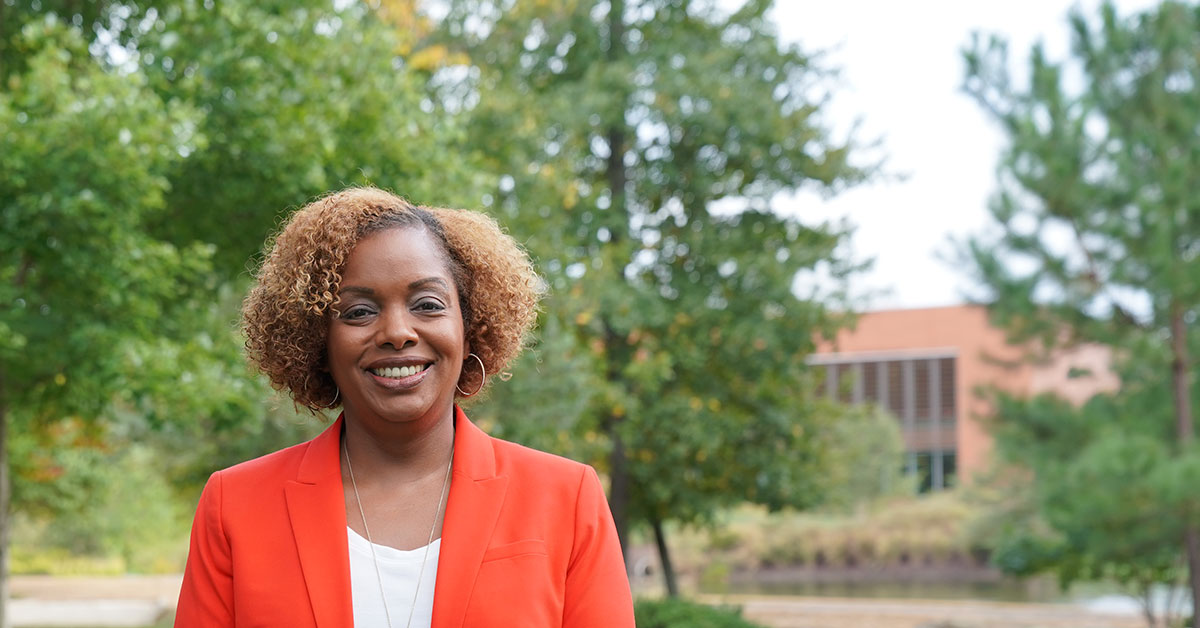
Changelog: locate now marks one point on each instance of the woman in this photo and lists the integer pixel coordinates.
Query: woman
(401, 513)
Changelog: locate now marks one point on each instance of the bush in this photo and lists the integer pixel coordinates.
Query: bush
(671, 613)
(110, 511)
(931, 529)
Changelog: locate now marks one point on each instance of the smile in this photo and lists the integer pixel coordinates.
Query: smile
(398, 372)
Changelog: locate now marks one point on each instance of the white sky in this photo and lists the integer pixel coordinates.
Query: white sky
(901, 72)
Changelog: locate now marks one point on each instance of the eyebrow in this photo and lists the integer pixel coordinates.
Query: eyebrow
(416, 285)
(421, 283)
(357, 289)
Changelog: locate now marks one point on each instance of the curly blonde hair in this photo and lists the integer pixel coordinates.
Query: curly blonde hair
(286, 312)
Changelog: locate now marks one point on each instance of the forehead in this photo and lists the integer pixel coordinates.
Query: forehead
(397, 253)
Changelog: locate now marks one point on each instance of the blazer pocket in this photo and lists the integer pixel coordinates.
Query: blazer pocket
(520, 548)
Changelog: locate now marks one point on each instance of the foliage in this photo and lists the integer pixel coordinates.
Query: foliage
(1096, 243)
(84, 167)
(866, 457)
(197, 402)
(149, 147)
(16, 15)
(84, 159)
(615, 131)
(124, 515)
(675, 613)
(291, 100)
(895, 532)
(147, 151)
(1109, 508)
(558, 374)
(298, 99)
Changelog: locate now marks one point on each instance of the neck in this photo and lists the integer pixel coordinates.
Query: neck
(409, 453)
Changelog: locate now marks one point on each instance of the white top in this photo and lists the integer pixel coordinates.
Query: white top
(399, 571)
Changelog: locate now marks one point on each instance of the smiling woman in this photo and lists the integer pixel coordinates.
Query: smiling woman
(396, 345)
(401, 513)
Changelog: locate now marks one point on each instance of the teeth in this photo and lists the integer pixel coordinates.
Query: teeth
(393, 372)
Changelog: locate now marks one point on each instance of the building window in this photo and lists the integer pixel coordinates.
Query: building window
(935, 470)
(949, 469)
(946, 371)
(895, 388)
(920, 392)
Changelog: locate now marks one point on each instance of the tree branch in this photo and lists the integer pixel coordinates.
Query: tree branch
(23, 271)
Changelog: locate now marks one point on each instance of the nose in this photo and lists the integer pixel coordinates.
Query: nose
(395, 328)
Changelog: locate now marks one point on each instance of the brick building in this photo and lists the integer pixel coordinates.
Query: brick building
(926, 366)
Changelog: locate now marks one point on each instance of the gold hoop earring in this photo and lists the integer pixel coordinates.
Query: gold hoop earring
(482, 381)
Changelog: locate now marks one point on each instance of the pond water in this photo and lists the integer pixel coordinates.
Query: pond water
(1002, 591)
(1097, 597)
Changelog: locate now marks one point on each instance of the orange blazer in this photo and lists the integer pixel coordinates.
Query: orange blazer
(528, 540)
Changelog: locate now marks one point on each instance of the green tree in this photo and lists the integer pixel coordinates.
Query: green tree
(553, 371)
(295, 99)
(679, 613)
(148, 149)
(84, 159)
(1097, 242)
(299, 98)
(16, 14)
(866, 457)
(1106, 496)
(616, 130)
(287, 100)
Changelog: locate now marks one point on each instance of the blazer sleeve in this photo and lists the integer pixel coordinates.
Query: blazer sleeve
(206, 599)
(597, 588)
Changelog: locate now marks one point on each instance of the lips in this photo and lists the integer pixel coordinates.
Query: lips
(399, 373)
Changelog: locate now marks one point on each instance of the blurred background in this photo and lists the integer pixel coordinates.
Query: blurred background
(868, 313)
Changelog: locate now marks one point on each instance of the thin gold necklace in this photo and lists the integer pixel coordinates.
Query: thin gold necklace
(374, 560)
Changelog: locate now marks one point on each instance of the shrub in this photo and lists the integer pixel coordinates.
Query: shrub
(124, 517)
(674, 613)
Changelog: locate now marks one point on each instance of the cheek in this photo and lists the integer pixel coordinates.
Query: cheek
(340, 343)
(460, 340)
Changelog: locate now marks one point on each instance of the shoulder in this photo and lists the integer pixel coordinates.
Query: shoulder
(515, 459)
(282, 464)
(255, 491)
(561, 491)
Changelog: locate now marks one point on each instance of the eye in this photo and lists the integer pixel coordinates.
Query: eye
(355, 312)
(429, 305)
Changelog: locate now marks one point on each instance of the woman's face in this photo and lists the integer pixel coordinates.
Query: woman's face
(396, 343)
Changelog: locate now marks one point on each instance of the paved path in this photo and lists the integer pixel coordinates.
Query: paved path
(137, 601)
(801, 612)
(133, 601)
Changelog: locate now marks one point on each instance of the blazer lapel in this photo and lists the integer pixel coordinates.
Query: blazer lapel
(317, 508)
(476, 494)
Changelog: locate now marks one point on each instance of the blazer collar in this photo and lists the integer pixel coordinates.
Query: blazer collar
(476, 494)
(322, 459)
(473, 453)
(317, 509)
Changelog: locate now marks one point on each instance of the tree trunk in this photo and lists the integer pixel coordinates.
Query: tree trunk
(615, 170)
(1170, 614)
(664, 558)
(1181, 380)
(618, 498)
(1192, 541)
(1147, 609)
(5, 520)
(615, 173)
